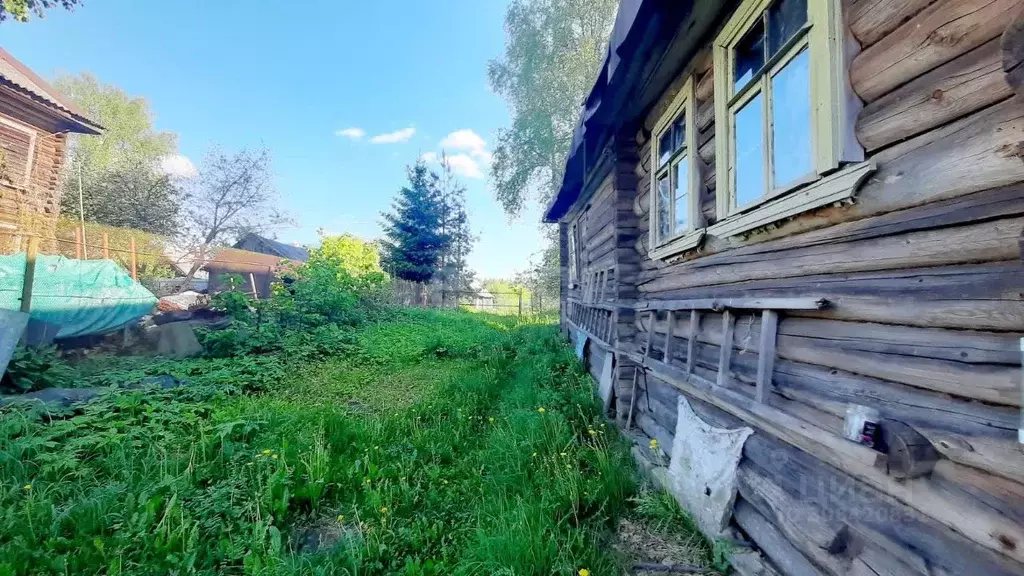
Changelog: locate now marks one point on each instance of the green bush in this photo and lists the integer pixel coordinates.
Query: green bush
(34, 369)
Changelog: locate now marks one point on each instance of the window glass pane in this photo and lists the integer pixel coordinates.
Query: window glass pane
(663, 207)
(749, 55)
(682, 193)
(791, 118)
(665, 147)
(679, 133)
(750, 151)
(785, 17)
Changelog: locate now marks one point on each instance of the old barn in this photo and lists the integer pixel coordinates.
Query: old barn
(791, 245)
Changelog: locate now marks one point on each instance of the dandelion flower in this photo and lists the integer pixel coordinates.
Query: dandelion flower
(274, 456)
(366, 481)
(383, 509)
(654, 444)
(376, 447)
(534, 454)
(491, 420)
(444, 481)
(541, 410)
(265, 452)
(564, 454)
(584, 572)
(592, 432)
(341, 517)
(27, 487)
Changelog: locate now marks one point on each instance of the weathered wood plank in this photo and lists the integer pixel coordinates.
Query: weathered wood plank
(985, 527)
(766, 353)
(984, 242)
(871, 20)
(720, 304)
(955, 89)
(936, 35)
(691, 340)
(725, 357)
(1013, 53)
(775, 545)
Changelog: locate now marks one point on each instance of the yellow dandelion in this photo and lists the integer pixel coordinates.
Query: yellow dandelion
(27, 487)
(654, 444)
(541, 410)
(274, 456)
(592, 432)
(534, 454)
(341, 517)
(584, 572)
(491, 420)
(444, 481)
(564, 454)
(366, 481)
(376, 447)
(265, 452)
(383, 509)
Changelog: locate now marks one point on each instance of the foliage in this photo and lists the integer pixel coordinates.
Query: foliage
(355, 256)
(122, 182)
(553, 53)
(150, 248)
(32, 369)
(543, 277)
(453, 271)
(232, 195)
(400, 460)
(19, 10)
(414, 240)
(507, 295)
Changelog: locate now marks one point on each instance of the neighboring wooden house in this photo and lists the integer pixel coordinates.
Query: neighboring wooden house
(34, 124)
(781, 209)
(257, 260)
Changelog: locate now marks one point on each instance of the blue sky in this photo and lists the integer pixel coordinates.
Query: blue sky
(404, 75)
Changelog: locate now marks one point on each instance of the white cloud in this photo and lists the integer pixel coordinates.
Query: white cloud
(465, 165)
(351, 133)
(178, 166)
(429, 157)
(402, 135)
(465, 140)
(469, 142)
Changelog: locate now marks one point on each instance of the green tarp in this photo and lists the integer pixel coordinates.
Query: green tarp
(81, 296)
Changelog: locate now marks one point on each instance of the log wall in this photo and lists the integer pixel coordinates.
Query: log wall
(925, 282)
(31, 204)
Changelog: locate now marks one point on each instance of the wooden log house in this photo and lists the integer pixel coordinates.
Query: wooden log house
(781, 208)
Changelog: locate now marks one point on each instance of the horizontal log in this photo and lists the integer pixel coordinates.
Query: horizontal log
(768, 538)
(918, 540)
(953, 90)
(735, 304)
(939, 33)
(871, 20)
(983, 242)
(999, 493)
(1013, 53)
(973, 297)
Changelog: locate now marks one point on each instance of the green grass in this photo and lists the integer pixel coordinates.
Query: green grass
(440, 443)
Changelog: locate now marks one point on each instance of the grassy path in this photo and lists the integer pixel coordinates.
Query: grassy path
(435, 444)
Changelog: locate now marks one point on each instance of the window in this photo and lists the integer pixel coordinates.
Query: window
(675, 180)
(17, 148)
(780, 100)
(574, 254)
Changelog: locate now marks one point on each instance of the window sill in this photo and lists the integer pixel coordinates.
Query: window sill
(836, 187)
(688, 241)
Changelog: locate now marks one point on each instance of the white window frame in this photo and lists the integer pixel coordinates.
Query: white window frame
(573, 248)
(677, 240)
(823, 36)
(30, 160)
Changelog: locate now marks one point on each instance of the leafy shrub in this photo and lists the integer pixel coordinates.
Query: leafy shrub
(34, 369)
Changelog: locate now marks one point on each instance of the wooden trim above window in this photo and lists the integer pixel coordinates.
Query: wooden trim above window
(688, 241)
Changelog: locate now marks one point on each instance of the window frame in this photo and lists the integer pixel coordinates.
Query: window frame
(573, 248)
(31, 152)
(822, 36)
(677, 240)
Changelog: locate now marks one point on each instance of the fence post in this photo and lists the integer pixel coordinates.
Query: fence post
(30, 274)
(131, 249)
(520, 301)
(106, 246)
(78, 243)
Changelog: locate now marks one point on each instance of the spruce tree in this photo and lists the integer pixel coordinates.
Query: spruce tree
(413, 238)
(453, 271)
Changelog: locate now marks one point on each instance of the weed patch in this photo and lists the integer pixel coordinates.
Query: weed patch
(490, 458)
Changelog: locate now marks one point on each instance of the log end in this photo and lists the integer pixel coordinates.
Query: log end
(907, 454)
